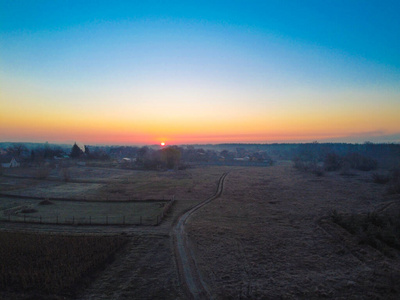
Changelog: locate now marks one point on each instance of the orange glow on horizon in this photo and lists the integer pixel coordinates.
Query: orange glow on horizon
(200, 125)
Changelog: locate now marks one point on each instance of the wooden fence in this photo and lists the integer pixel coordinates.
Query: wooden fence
(103, 220)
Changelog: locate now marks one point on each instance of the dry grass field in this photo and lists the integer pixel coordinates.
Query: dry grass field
(111, 183)
(39, 266)
(110, 186)
(271, 235)
(81, 212)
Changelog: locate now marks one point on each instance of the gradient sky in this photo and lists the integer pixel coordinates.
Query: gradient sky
(142, 72)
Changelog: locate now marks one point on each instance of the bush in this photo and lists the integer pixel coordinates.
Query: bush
(46, 202)
(300, 165)
(379, 231)
(394, 187)
(317, 170)
(380, 178)
(332, 162)
(360, 162)
(308, 166)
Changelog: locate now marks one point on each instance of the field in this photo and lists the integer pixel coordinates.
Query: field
(44, 264)
(270, 235)
(273, 233)
(99, 195)
(81, 212)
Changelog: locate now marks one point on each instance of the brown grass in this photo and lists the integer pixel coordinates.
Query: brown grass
(51, 264)
(261, 239)
(377, 230)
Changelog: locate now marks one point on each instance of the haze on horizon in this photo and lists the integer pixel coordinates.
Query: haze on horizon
(142, 72)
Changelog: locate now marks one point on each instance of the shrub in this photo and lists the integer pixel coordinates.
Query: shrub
(46, 202)
(346, 169)
(394, 187)
(380, 178)
(308, 166)
(395, 174)
(332, 162)
(300, 165)
(317, 170)
(379, 231)
(360, 162)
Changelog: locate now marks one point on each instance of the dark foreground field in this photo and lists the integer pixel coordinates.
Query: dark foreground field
(273, 234)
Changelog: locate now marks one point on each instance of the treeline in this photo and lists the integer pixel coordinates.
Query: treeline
(331, 155)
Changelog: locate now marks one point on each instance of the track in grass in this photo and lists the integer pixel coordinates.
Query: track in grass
(189, 274)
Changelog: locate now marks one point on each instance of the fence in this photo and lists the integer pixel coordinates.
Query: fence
(83, 217)
(89, 220)
(167, 207)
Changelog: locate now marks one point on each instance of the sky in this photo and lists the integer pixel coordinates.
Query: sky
(183, 72)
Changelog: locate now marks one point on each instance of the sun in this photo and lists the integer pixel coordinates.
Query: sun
(162, 144)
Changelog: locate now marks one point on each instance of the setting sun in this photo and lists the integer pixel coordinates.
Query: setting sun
(162, 144)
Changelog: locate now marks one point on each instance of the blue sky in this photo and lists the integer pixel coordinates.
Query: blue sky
(299, 65)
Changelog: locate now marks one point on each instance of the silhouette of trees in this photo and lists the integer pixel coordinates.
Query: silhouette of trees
(76, 152)
(18, 151)
(171, 157)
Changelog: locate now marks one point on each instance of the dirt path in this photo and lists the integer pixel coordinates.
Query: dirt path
(186, 263)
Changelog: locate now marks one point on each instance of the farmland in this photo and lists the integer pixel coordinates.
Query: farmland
(51, 264)
(275, 231)
(99, 195)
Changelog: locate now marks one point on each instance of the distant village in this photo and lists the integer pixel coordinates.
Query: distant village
(156, 157)
(14, 155)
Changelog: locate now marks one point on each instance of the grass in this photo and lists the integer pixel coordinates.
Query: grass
(309, 166)
(380, 178)
(381, 232)
(52, 264)
(80, 212)
(392, 178)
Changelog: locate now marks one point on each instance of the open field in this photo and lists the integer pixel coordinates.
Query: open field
(271, 234)
(38, 265)
(81, 212)
(106, 196)
(112, 184)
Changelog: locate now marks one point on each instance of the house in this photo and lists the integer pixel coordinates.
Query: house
(246, 158)
(12, 164)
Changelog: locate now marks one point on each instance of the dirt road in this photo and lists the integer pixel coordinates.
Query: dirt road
(186, 264)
